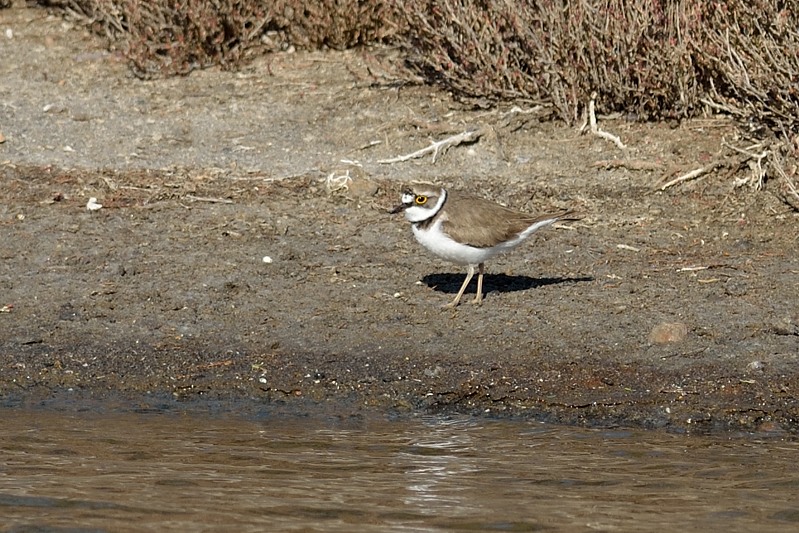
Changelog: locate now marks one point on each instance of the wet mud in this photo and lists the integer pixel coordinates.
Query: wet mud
(244, 255)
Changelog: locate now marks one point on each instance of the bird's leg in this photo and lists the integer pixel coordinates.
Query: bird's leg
(479, 298)
(457, 299)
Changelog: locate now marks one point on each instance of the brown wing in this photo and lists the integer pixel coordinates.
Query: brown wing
(483, 223)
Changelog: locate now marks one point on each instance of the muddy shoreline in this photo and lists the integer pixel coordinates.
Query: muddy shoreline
(666, 309)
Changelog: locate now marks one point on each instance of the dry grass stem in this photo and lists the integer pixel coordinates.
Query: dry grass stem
(335, 182)
(437, 147)
(207, 199)
(755, 159)
(691, 175)
(595, 129)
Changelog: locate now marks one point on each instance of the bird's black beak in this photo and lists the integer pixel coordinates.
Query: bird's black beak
(407, 201)
(399, 209)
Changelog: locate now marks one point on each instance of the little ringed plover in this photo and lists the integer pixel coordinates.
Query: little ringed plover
(468, 230)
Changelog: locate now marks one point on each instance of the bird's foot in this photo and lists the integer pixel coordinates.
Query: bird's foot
(452, 305)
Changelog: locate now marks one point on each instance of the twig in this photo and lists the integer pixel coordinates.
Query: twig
(677, 389)
(629, 164)
(338, 182)
(722, 107)
(745, 151)
(791, 195)
(789, 190)
(370, 144)
(692, 269)
(516, 109)
(691, 175)
(518, 117)
(595, 129)
(210, 200)
(437, 146)
(758, 172)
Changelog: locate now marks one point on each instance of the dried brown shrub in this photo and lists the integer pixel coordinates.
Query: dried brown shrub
(749, 56)
(633, 54)
(748, 60)
(651, 58)
(168, 37)
(648, 58)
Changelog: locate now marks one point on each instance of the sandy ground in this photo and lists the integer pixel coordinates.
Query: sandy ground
(673, 308)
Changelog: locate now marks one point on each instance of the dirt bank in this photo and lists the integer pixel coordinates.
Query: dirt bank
(671, 308)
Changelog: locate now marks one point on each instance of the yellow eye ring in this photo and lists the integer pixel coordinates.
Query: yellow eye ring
(420, 199)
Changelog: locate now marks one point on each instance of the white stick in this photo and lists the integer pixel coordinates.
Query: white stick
(595, 129)
(690, 175)
(436, 147)
(210, 200)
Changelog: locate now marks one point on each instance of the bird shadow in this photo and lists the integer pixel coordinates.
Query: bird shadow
(450, 283)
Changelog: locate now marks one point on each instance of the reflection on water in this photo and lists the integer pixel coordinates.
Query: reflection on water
(133, 472)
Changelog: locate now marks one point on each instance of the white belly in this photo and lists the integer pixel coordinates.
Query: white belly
(443, 246)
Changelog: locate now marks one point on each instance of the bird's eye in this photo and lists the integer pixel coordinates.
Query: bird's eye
(421, 200)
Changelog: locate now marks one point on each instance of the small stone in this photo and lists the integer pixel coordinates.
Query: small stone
(785, 326)
(362, 188)
(668, 332)
(735, 287)
(92, 204)
(433, 372)
(266, 259)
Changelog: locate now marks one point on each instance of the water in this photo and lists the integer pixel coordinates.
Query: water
(166, 472)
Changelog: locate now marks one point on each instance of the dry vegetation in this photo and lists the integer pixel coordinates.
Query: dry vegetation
(170, 37)
(648, 59)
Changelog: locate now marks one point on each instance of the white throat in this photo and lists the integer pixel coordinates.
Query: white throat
(417, 213)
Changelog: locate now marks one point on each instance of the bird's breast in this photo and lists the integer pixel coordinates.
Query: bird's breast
(438, 242)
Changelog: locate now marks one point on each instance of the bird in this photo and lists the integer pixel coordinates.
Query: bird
(468, 230)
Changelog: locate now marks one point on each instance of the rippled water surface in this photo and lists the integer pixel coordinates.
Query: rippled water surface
(134, 472)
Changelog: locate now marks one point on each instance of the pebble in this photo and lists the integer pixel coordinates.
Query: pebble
(92, 204)
(362, 188)
(784, 326)
(735, 287)
(668, 332)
